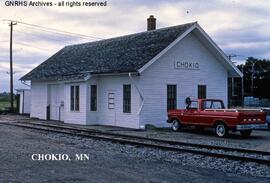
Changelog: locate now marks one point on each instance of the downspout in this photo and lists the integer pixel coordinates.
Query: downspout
(139, 91)
(22, 104)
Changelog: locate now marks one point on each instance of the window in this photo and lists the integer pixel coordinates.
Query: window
(127, 98)
(110, 100)
(217, 105)
(209, 104)
(171, 97)
(201, 91)
(193, 105)
(74, 98)
(93, 97)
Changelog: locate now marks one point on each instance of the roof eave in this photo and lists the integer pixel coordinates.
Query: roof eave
(234, 71)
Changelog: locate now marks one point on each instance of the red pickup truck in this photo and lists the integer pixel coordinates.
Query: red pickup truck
(212, 113)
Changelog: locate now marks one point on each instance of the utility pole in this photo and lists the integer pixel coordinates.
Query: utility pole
(11, 67)
(232, 81)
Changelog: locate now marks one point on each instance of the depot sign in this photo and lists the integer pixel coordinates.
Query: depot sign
(186, 65)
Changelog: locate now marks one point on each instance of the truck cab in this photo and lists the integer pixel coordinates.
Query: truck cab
(212, 113)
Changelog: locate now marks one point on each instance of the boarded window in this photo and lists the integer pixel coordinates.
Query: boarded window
(126, 98)
(74, 98)
(201, 91)
(93, 97)
(110, 100)
(171, 97)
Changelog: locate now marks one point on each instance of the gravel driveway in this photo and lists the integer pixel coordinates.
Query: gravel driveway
(110, 162)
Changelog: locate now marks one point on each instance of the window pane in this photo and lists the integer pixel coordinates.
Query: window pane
(126, 98)
(171, 97)
(72, 98)
(110, 100)
(93, 97)
(207, 104)
(193, 105)
(77, 98)
(217, 105)
(201, 91)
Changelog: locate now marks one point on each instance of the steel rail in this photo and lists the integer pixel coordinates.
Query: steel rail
(127, 139)
(171, 142)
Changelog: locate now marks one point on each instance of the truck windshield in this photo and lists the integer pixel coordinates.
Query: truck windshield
(210, 104)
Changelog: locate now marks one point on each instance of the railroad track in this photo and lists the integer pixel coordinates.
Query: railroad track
(238, 154)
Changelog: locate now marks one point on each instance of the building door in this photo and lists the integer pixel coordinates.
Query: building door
(111, 96)
(56, 95)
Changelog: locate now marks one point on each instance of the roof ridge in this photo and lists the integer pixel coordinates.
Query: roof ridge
(133, 34)
(113, 55)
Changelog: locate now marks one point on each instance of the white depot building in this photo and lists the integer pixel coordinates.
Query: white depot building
(130, 81)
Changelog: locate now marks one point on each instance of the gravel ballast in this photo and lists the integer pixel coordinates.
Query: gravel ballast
(111, 162)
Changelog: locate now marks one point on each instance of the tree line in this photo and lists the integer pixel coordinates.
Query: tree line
(256, 78)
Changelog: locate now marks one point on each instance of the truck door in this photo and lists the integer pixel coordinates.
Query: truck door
(191, 113)
(208, 114)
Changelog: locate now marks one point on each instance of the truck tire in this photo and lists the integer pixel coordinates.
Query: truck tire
(245, 133)
(176, 126)
(221, 130)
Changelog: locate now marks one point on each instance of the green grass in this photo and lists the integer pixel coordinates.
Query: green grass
(4, 102)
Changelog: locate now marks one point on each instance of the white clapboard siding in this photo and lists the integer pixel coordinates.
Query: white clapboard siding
(38, 100)
(116, 117)
(76, 117)
(154, 79)
(27, 102)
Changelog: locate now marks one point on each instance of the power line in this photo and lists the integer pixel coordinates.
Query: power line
(54, 30)
(34, 35)
(27, 45)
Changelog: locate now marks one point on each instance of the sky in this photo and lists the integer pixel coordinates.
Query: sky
(239, 27)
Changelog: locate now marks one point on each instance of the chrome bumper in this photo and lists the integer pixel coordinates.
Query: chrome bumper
(252, 126)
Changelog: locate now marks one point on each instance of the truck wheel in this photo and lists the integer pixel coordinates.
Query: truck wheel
(245, 133)
(221, 130)
(176, 126)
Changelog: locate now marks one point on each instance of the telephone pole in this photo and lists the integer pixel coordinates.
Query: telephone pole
(11, 67)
